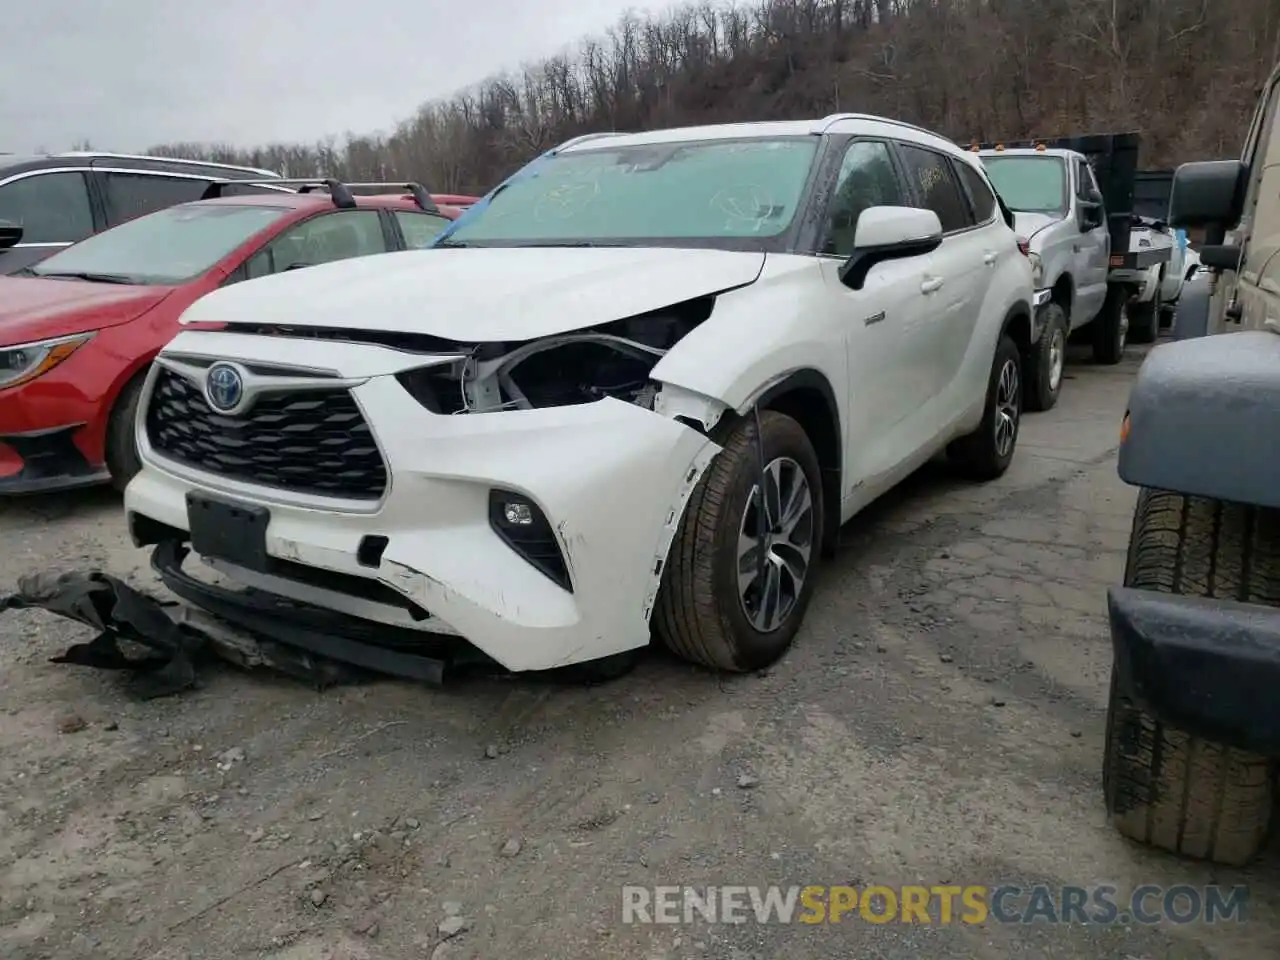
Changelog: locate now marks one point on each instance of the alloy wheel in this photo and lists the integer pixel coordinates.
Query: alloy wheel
(775, 543)
(1057, 358)
(1008, 400)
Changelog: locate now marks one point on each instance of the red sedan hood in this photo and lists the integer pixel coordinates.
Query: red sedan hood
(35, 309)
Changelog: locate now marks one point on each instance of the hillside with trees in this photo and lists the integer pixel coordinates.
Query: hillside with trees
(1184, 73)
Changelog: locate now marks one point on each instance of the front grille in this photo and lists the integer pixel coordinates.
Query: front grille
(313, 441)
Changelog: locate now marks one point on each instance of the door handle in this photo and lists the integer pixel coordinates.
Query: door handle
(990, 258)
(1075, 248)
(932, 285)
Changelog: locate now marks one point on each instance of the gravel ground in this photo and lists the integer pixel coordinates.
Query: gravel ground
(939, 721)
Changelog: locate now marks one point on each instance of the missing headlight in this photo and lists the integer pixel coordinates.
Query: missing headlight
(613, 360)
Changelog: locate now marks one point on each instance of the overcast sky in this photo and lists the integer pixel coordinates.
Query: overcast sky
(128, 74)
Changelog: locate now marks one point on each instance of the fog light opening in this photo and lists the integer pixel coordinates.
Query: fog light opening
(522, 525)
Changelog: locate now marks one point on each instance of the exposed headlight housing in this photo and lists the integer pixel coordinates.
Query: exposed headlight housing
(24, 362)
(1037, 269)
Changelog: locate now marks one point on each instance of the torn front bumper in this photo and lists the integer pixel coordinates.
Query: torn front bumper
(611, 478)
(1208, 667)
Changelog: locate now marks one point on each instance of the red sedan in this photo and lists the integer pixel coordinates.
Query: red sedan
(79, 329)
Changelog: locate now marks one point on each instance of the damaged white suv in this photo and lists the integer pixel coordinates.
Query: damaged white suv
(638, 387)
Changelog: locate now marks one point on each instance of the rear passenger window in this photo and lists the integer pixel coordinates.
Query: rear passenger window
(331, 236)
(420, 229)
(930, 176)
(981, 198)
(131, 195)
(50, 207)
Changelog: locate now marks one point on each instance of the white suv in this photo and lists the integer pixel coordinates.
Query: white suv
(639, 386)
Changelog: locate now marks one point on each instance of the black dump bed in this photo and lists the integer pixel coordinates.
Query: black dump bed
(1151, 191)
(1114, 158)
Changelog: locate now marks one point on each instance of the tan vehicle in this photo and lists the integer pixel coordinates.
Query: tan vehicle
(1193, 727)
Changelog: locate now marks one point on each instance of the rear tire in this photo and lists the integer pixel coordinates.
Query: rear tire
(1111, 327)
(1047, 360)
(986, 453)
(703, 612)
(1144, 319)
(1164, 787)
(122, 440)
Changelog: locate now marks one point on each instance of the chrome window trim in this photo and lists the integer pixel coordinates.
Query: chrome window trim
(173, 175)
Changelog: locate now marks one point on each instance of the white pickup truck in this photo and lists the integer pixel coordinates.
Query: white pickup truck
(1072, 200)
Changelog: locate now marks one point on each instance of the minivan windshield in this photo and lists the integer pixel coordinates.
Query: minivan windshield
(1030, 184)
(733, 193)
(164, 248)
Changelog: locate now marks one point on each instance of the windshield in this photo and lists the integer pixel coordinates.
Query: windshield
(718, 192)
(167, 247)
(1030, 184)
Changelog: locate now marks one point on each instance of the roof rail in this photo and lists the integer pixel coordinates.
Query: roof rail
(835, 117)
(195, 163)
(341, 193)
(584, 137)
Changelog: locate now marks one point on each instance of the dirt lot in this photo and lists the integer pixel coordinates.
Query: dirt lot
(939, 721)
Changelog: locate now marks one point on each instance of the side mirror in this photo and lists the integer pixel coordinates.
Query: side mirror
(1220, 256)
(1091, 215)
(1208, 194)
(10, 234)
(889, 233)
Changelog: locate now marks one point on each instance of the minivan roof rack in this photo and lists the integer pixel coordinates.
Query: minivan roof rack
(179, 160)
(341, 193)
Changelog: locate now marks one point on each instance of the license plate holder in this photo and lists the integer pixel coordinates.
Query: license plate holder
(230, 531)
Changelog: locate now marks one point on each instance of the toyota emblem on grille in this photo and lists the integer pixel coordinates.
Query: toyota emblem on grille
(224, 387)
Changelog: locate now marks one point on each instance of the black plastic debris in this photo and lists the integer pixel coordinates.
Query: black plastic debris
(118, 612)
(173, 637)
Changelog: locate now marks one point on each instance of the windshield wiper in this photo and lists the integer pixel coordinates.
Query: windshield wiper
(85, 275)
(571, 243)
(446, 242)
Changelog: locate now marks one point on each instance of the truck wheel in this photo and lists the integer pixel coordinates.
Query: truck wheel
(1144, 320)
(1111, 326)
(1048, 356)
(986, 453)
(715, 606)
(1164, 787)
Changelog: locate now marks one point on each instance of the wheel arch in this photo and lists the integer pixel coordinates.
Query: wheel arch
(1196, 412)
(1064, 292)
(1017, 326)
(806, 395)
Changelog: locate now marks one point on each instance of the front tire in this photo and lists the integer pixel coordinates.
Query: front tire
(1048, 358)
(986, 453)
(714, 605)
(1164, 787)
(122, 441)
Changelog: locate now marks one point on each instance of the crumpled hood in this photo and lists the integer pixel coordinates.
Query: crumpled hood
(33, 309)
(481, 294)
(1028, 224)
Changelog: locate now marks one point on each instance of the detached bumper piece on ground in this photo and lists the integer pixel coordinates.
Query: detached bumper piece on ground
(245, 628)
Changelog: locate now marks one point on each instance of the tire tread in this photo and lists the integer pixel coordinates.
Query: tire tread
(686, 614)
(1164, 787)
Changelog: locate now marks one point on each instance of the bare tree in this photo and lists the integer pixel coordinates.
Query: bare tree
(1184, 73)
